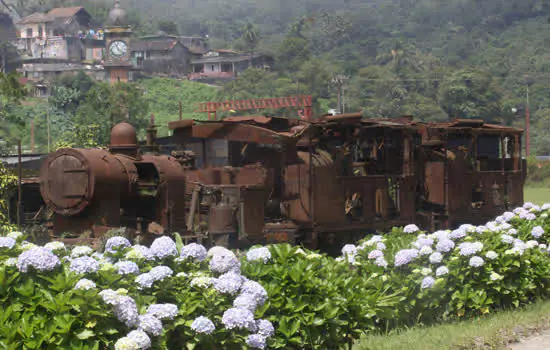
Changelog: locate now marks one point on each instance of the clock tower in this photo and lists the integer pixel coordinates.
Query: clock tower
(117, 62)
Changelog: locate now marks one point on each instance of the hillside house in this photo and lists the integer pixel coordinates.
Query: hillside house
(160, 56)
(62, 33)
(226, 64)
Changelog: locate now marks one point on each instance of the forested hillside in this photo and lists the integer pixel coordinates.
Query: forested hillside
(435, 59)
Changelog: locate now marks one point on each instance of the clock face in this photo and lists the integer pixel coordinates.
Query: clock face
(118, 48)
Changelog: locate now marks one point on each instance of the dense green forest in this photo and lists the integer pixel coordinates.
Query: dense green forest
(431, 58)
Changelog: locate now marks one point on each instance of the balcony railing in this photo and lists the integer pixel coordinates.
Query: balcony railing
(211, 75)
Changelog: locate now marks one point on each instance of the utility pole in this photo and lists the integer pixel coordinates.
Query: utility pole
(339, 80)
(528, 82)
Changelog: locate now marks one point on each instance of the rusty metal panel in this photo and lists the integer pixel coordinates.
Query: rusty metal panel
(434, 182)
(252, 212)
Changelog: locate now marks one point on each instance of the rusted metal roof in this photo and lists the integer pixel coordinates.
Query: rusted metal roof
(234, 131)
(153, 45)
(260, 119)
(65, 11)
(36, 17)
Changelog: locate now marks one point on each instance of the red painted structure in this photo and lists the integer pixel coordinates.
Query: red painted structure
(299, 101)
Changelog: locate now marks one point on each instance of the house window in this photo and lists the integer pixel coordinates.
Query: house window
(29, 32)
(40, 31)
(212, 68)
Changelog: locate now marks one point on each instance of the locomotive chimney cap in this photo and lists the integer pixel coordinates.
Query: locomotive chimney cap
(123, 135)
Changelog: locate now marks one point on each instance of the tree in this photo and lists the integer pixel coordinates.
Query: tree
(471, 92)
(251, 38)
(169, 27)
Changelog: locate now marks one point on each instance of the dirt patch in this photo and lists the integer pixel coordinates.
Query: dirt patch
(540, 341)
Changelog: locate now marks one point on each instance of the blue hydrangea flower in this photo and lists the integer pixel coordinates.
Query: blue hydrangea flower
(476, 261)
(116, 243)
(139, 252)
(491, 255)
(163, 247)
(445, 246)
(245, 301)
(380, 246)
(15, 235)
(81, 250)
(195, 251)
(53, 246)
(427, 282)
(255, 290)
(228, 283)
(436, 258)
(537, 232)
(442, 270)
(145, 280)
(160, 272)
(202, 281)
(126, 310)
(238, 318)
(507, 239)
(85, 284)
(141, 338)
(39, 258)
(265, 328)
(203, 325)
(412, 228)
(441, 235)
(457, 234)
(381, 262)
(423, 241)
(109, 296)
(163, 311)
(468, 248)
(425, 250)
(375, 254)
(259, 254)
(405, 256)
(126, 343)
(127, 267)
(256, 341)
(349, 250)
(150, 325)
(84, 264)
(222, 263)
(7, 242)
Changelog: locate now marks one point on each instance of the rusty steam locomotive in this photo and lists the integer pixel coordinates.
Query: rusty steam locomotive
(246, 180)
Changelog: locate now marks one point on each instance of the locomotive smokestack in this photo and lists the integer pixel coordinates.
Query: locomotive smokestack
(124, 140)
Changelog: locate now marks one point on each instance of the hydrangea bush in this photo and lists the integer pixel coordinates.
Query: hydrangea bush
(171, 295)
(127, 297)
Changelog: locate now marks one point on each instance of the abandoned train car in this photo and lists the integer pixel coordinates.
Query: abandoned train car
(246, 180)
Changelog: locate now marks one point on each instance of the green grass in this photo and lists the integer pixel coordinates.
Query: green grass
(537, 195)
(164, 96)
(490, 332)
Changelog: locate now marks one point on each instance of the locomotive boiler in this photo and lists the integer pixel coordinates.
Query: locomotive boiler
(246, 180)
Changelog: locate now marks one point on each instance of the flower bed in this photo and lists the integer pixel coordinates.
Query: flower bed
(170, 296)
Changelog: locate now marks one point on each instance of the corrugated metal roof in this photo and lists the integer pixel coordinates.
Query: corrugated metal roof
(36, 17)
(153, 45)
(65, 11)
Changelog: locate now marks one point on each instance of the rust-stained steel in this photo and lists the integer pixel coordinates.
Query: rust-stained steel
(255, 179)
(298, 101)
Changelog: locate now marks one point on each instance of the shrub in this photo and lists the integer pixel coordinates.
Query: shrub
(169, 295)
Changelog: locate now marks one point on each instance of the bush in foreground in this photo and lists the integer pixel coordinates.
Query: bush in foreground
(171, 296)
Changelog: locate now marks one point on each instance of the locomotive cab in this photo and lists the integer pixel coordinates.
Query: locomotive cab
(472, 172)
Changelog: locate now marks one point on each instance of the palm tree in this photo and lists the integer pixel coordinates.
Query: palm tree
(251, 37)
